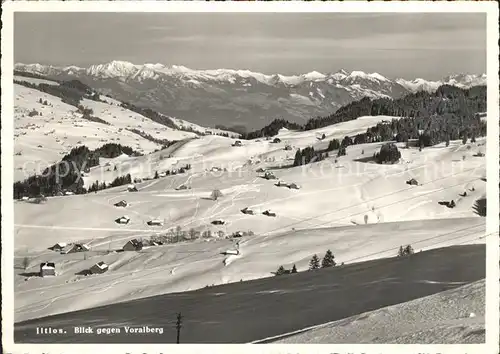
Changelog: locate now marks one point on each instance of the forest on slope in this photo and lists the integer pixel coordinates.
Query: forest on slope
(449, 113)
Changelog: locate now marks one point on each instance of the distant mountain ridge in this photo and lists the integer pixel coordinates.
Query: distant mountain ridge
(239, 97)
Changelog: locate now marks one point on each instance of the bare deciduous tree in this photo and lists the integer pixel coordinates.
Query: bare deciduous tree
(26, 262)
(216, 194)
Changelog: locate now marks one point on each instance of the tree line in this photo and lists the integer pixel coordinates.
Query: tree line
(173, 172)
(70, 92)
(448, 113)
(118, 181)
(309, 154)
(315, 263)
(328, 261)
(66, 174)
(163, 142)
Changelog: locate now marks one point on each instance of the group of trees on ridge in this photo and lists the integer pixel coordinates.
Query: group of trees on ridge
(66, 175)
(405, 251)
(70, 92)
(452, 115)
(329, 261)
(309, 154)
(118, 181)
(315, 263)
(149, 113)
(272, 129)
(237, 128)
(163, 142)
(173, 172)
(449, 113)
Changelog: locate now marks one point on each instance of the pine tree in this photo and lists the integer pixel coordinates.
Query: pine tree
(216, 194)
(388, 153)
(26, 262)
(314, 263)
(280, 271)
(298, 158)
(294, 269)
(401, 251)
(328, 260)
(408, 250)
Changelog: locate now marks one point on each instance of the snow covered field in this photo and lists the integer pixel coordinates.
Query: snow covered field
(42, 140)
(451, 317)
(357, 209)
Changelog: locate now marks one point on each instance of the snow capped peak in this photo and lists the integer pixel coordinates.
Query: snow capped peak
(115, 68)
(72, 67)
(465, 80)
(314, 75)
(355, 80)
(339, 75)
(362, 75)
(356, 73)
(378, 77)
(180, 69)
(419, 84)
(36, 68)
(156, 66)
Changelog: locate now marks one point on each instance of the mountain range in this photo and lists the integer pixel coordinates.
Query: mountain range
(238, 97)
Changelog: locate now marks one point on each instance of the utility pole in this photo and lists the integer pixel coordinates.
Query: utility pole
(178, 325)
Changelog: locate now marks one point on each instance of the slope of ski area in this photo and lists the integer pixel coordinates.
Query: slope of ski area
(449, 317)
(358, 209)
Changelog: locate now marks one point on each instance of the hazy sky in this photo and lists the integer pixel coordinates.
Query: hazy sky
(395, 45)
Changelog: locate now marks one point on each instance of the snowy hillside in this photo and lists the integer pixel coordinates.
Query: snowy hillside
(43, 139)
(358, 209)
(226, 96)
(451, 317)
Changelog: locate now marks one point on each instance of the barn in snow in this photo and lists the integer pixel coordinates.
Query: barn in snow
(59, 246)
(133, 245)
(47, 269)
(99, 268)
(155, 222)
(77, 247)
(123, 220)
(121, 203)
